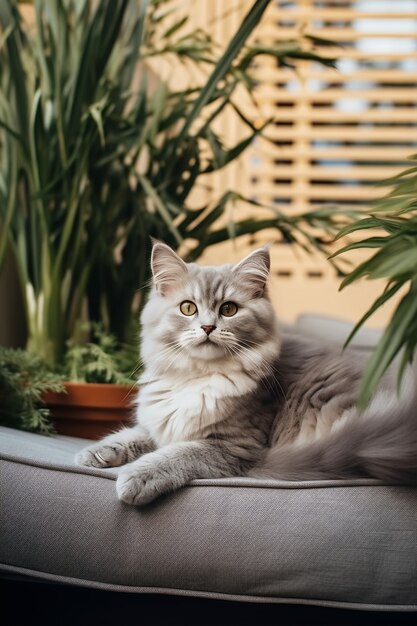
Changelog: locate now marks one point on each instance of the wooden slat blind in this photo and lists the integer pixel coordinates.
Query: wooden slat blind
(337, 132)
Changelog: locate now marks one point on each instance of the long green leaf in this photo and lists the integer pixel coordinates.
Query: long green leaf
(99, 43)
(383, 298)
(380, 264)
(389, 345)
(224, 157)
(6, 213)
(361, 224)
(161, 208)
(213, 214)
(371, 242)
(9, 17)
(10, 130)
(223, 65)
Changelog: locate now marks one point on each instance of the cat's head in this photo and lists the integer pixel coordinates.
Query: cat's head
(200, 315)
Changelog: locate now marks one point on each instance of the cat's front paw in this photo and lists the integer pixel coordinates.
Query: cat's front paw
(101, 455)
(141, 485)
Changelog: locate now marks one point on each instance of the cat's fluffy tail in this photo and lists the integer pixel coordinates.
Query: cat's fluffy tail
(379, 443)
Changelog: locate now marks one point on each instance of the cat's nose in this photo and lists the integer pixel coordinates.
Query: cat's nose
(208, 328)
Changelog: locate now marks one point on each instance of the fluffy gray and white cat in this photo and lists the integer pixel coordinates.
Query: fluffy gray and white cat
(225, 393)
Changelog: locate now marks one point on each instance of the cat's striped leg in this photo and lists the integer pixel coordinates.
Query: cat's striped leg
(117, 449)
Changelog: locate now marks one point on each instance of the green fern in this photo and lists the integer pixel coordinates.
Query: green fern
(23, 380)
(102, 360)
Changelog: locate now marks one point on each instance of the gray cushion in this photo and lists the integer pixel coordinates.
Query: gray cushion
(335, 543)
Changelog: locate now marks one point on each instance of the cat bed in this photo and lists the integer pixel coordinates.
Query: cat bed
(330, 543)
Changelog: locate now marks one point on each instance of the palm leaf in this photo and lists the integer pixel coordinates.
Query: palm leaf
(223, 66)
(389, 345)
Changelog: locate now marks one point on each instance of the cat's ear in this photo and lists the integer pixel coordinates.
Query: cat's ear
(168, 268)
(254, 271)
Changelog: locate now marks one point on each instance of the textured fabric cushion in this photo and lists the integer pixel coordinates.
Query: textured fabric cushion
(347, 544)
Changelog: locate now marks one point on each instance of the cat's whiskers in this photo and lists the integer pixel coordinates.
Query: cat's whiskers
(176, 352)
(190, 337)
(173, 349)
(167, 350)
(139, 365)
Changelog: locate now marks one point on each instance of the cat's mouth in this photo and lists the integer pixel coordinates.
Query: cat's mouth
(206, 348)
(207, 342)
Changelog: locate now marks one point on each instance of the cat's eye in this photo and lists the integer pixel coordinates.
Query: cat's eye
(228, 309)
(188, 308)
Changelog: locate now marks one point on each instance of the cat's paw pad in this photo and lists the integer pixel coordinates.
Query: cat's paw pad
(140, 487)
(101, 456)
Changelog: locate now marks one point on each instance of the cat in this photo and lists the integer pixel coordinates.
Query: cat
(225, 392)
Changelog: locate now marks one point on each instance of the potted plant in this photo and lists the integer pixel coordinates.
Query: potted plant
(94, 159)
(98, 388)
(91, 395)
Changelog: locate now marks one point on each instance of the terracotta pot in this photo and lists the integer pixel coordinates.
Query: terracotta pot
(90, 410)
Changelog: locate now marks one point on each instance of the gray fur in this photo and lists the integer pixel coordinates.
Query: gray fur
(246, 399)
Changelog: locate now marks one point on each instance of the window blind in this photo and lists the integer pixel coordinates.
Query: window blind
(337, 132)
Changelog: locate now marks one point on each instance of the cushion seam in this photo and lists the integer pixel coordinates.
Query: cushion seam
(262, 484)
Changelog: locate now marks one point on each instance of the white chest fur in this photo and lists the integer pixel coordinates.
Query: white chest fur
(182, 408)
